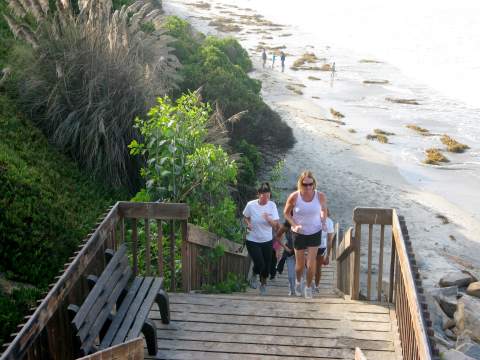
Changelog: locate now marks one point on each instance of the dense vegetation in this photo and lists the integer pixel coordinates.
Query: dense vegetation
(220, 66)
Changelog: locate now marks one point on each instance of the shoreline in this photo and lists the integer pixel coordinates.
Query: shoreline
(351, 170)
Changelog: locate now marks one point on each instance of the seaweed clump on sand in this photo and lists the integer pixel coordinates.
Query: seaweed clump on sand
(453, 145)
(224, 25)
(336, 113)
(434, 157)
(403, 101)
(378, 137)
(418, 129)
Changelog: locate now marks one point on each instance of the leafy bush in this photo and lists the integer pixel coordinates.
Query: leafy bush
(233, 284)
(181, 166)
(46, 204)
(220, 66)
(85, 87)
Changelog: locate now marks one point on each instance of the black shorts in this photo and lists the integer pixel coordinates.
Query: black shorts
(301, 241)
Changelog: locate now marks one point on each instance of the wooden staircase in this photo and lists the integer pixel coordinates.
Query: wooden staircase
(276, 326)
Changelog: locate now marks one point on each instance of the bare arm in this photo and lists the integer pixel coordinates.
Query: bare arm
(248, 222)
(287, 211)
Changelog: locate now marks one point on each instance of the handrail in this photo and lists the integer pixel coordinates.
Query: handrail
(38, 337)
(402, 290)
(132, 349)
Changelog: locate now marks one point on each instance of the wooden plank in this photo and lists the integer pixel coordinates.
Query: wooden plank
(135, 247)
(367, 215)
(199, 236)
(147, 248)
(121, 313)
(355, 266)
(154, 210)
(59, 292)
(392, 270)
(220, 328)
(369, 271)
(186, 259)
(173, 282)
(380, 263)
(132, 311)
(284, 340)
(180, 302)
(291, 312)
(130, 350)
(261, 349)
(160, 247)
(411, 295)
(207, 355)
(145, 307)
(278, 322)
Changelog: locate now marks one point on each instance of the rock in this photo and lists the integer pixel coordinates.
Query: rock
(458, 278)
(455, 355)
(470, 349)
(467, 315)
(474, 289)
(447, 298)
(437, 315)
(463, 338)
(444, 342)
(448, 324)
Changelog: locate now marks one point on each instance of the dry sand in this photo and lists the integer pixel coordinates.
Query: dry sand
(351, 170)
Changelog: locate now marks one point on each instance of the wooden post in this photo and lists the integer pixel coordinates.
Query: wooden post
(147, 248)
(369, 273)
(172, 256)
(186, 259)
(380, 263)
(160, 247)
(135, 246)
(355, 269)
(122, 231)
(392, 270)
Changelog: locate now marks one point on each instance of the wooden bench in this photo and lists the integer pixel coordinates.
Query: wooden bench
(114, 313)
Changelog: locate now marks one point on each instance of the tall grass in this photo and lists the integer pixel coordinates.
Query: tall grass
(84, 78)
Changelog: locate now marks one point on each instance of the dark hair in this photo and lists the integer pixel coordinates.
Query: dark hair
(264, 188)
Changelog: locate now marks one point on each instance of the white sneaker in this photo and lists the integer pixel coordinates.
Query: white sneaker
(263, 289)
(308, 292)
(298, 288)
(254, 281)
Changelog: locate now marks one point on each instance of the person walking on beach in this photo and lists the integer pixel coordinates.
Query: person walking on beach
(288, 255)
(282, 60)
(264, 57)
(308, 219)
(323, 253)
(273, 59)
(261, 217)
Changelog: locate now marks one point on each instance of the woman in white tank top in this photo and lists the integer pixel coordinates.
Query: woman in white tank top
(307, 206)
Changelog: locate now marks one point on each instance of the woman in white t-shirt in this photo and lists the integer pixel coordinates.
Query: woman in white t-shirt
(261, 217)
(324, 250)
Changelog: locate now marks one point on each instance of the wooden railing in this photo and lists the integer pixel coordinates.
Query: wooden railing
(196, 273)
(157, 230)
(402, 288)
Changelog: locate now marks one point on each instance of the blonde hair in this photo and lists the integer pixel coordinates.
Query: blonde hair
(303, 175)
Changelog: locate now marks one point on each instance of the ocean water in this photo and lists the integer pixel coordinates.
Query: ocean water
(427, 50)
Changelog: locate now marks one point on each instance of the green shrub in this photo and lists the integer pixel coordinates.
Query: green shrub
(250, 162)
(220, 66)
(233, 284)
(46, 204)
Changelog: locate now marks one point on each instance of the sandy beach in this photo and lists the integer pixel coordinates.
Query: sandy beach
(441, 211)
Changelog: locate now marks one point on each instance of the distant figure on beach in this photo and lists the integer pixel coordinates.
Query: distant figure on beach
(324, 250)
(264, 57)
(273, 59)
(332, 75)
(305, 210)
(282, 59)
